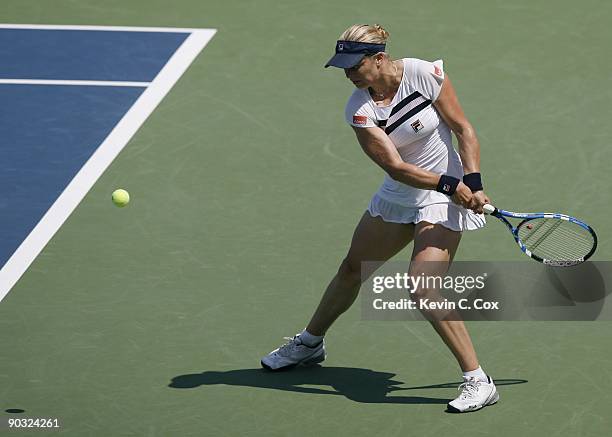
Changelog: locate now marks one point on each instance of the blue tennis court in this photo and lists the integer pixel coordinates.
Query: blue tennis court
(50, 132)
(85, 54)
(64, 90)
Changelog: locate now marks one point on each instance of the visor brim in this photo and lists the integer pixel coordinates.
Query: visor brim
(345, 60)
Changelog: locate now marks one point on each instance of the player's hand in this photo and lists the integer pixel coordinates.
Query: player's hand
(479, 200)
(463, 196)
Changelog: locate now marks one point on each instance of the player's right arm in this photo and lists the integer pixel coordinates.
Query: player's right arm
(377, 145)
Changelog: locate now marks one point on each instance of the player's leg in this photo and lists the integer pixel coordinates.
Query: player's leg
(373, 240)
(434, 249)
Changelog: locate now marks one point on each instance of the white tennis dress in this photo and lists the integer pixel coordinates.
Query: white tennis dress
(422, 138)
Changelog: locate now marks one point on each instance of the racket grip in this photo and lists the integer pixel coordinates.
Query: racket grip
(488, 209)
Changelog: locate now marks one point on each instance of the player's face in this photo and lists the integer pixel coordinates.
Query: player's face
(363, 74)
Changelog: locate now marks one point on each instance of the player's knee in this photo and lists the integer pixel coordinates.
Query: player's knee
(431, 304)
(421, 293)
(349, 272)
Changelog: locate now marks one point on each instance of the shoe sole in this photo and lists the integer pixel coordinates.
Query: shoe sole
(311, 361)
(492, 401)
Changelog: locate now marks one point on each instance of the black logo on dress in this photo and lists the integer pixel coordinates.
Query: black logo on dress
(417, 125)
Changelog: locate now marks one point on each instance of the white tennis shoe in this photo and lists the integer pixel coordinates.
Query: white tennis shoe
(475, 394)
(294, 353)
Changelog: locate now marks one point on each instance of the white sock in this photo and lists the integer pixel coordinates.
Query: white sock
(476, 373)
(310, 340)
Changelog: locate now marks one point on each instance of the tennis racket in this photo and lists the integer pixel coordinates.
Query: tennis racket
(550, 238)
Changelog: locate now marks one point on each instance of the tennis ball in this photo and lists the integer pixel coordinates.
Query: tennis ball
(121, 198)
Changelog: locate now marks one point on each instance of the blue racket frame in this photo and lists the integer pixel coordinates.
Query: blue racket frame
(501, 214)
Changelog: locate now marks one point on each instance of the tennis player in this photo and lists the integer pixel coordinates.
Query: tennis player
(403, 112)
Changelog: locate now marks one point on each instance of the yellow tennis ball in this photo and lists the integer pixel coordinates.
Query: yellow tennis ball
(121, 198)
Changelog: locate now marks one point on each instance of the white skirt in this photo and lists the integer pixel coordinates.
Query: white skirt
(449, 215)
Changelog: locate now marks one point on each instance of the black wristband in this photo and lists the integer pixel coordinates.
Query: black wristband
(447, 185)
(473, 181)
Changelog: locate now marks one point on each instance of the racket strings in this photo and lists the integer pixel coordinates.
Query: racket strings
(542, 229)
(556, 239)
(564, 244)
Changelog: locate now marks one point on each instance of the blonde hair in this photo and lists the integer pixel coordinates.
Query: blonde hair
(373, 34)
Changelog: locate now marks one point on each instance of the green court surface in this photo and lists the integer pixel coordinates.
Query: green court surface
(246, 185)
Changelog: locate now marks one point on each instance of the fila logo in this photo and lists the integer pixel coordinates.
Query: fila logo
(417, 125)
(437, 71)
(360, 119)
(446, 188)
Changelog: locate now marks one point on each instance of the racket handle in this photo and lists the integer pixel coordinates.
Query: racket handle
(488, 209)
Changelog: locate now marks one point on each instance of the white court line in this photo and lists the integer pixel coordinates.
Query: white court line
(103, 28)
(102, 157)
(73, 82)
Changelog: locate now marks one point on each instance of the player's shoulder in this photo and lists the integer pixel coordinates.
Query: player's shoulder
(420, 67)
(358, 98)
(426, 77)
(359, 111)
(358, 102)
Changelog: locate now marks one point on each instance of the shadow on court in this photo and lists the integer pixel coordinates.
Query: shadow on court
(359, 385)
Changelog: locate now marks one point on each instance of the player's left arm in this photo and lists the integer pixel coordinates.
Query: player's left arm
(449, 108)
